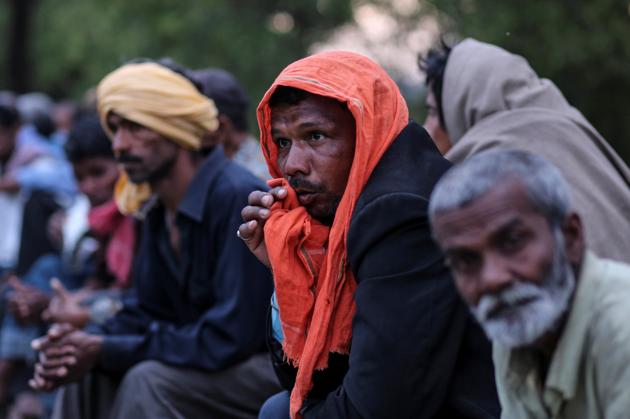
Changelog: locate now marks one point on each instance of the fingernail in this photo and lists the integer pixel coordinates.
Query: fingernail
(36, 344)
(267, 200)
(252, 224)
(264, 213)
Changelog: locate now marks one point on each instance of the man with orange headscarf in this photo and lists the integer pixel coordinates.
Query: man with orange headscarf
(190, 341)
(365, 320)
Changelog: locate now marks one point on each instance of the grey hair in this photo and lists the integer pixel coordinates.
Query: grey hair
(546, 187)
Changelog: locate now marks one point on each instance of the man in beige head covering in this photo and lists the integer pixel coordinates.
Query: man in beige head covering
(189, 343)
(482, 97)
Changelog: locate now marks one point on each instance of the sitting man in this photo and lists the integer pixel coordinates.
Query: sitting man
(482, 97)
(364, 310)
(557, 314)
(189, 343)
(232, 103)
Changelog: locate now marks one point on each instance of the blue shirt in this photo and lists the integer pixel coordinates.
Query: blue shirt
(208, 308)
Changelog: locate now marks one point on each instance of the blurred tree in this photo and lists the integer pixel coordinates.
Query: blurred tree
(18, 24)
(581, 45)
(76, 42)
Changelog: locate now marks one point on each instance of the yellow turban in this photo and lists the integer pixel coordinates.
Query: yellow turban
(157, 98)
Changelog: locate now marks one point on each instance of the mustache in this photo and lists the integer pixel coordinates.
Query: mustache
(128, 158)
(298, 182)
(517, 293)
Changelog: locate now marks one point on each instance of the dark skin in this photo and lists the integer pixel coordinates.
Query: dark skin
(66, 353)
(434, 127)
(315, 140)
(26, 303)
(501, 238)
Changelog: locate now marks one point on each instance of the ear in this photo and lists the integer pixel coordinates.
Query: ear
(574, 238)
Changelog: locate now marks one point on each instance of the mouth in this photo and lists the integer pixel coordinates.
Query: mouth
(306, 197)
(503, 310)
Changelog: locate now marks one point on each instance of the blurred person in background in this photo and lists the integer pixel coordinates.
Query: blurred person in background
(24, 207)
(557, 314)
(232, 103)
(92, 257)
(483, 97)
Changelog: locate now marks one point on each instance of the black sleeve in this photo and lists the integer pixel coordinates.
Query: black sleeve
(409, 321)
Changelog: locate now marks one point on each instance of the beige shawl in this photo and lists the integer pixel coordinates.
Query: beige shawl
(493, 99)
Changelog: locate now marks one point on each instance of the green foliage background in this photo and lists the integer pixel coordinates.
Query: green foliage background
(583, 46)
(77, 42)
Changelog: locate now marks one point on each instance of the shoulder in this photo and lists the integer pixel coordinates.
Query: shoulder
(611, 304)
(233, 183)
(411, 165)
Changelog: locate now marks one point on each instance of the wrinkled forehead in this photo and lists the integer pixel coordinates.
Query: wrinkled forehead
(504, 204)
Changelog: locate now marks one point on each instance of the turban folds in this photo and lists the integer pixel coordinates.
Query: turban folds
(314, 283)
(161, 100)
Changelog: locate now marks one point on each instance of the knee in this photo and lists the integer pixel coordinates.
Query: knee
(141, 375)
(276, 407)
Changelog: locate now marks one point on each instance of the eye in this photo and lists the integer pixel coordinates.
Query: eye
(513, 242)
(463, 262)
(316, 136)
(133, 126)
(283, 143)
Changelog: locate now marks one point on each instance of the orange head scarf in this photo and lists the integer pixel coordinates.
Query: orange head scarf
(314, 284)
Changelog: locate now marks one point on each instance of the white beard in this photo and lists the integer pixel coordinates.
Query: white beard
(516, 326)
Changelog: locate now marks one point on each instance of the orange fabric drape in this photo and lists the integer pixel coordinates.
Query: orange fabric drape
(314, 284)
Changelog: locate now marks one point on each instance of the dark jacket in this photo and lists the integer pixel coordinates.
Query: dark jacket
(205, 309)
(416, 351)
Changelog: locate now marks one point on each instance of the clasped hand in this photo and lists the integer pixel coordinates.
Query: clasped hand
(66, 354)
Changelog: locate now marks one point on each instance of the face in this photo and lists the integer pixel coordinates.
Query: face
(315, 140)
(96, 177)
(509, 265)
(434, 127)
(143, 154)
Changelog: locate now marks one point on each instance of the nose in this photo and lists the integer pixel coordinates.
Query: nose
(120, 142)
(495, 275)
(297, 160)
(87, 186)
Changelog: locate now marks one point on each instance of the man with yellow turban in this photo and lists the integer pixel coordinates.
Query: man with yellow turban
(189, 344)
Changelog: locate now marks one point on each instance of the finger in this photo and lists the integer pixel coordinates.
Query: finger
(65, 361)
(59, 290)
(59, 351)
(252, 212)
(50, 374)
(278, 193)
(37, 383)
(260, 199)
(46, 315)
(249, 231)
(40, 343)
(59, 330)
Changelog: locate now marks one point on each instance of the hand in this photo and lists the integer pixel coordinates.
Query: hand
(26, 303)
(65, 306)
(255, 215)
(66, 355)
